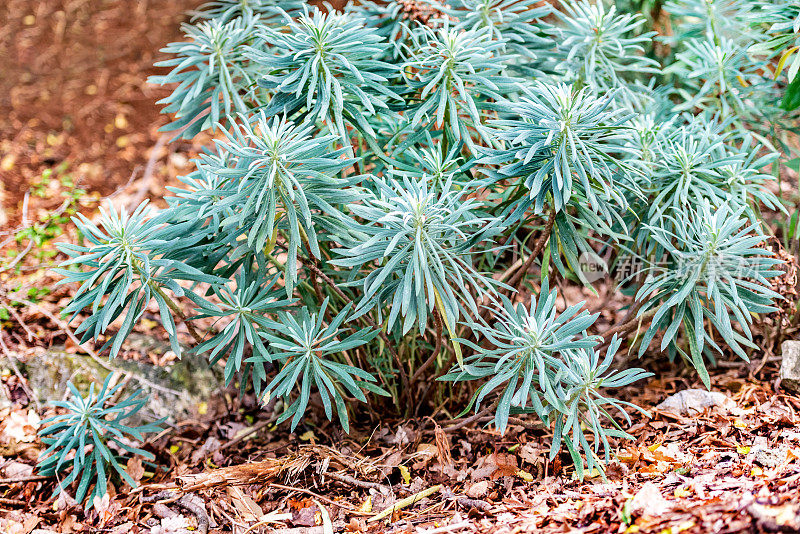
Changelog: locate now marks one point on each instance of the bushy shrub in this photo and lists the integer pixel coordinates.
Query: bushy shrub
(389, 183)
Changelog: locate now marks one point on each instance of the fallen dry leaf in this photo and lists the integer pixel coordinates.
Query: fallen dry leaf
(649, 501)
(20, 426)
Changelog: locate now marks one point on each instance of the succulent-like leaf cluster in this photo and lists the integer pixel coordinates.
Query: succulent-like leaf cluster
(717, 270)
(544, 362)
(276, 176)
(561, 141)
(88, 443)
(213, 73)
(126, 266)
(454, 71)
(597, 44)
(324, 63)
(242, 310)
(305, 347)
(420, 237)
(514, 22)
(402, 172)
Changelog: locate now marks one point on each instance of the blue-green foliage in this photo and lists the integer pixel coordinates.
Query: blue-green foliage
(214, 74)
(559, 135)
(325, 64)
(398, 21)
(242, 310)
(782, 40)
(276, 176)
(598, 45)
(126, 265)
(305, 348)
(90, 441)
(382, 177)
(454, 71)
(543, 361)
(515, 22)
(420, 238)
(717, 270)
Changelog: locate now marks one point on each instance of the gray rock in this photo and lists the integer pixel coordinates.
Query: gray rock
(790, 365)
(765, 455)
(695, 401)
(175, 390)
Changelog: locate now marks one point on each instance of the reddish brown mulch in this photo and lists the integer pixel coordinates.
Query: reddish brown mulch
(732, 468)
(74, 91)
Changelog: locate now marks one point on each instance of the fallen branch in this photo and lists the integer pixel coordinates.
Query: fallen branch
(347, 479)
(14, 502)
(402, 503)
(162, 497)
(249, 432)
(21, 480)
(243, 474)
(461, 423)
(528, 425)
(194, 505)
(19, 257)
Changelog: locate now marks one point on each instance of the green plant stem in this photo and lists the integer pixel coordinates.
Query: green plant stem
(274, 261)
(171, 304)
(437, 321)
(445, 141)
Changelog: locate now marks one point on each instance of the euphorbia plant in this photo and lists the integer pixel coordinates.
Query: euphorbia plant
(393, 189)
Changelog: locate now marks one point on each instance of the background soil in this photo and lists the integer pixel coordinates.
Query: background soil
(73, 90)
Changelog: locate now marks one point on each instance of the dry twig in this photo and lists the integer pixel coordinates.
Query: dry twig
(402, 503)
